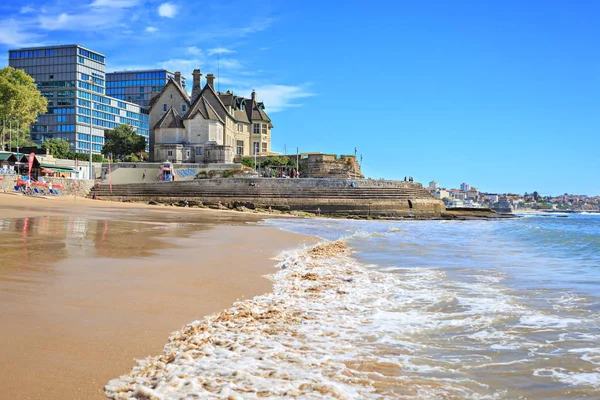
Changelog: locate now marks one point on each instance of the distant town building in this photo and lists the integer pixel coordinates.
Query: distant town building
(465, 187)
(455, 203)
(458, 194)
(472, 193)
(72, 78)
(434, 185)
(441, 194)
(492, 198)
(209, 126)
(138, 86)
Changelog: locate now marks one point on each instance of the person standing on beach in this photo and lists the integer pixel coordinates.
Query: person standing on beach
(318, 212)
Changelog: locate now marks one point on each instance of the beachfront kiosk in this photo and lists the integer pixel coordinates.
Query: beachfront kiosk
(166, 172)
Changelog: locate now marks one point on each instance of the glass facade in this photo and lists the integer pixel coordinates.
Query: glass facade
(137, 86)
(73, 80)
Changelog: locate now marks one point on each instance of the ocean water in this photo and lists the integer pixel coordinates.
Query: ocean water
(413, 310)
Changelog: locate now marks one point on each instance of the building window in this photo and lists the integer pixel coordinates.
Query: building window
(51, 76)
(164, 107)
(188, 153)
(255, 148)
(183, 107)
(240, 128)
(264, 129)
(240, 147)
(198, 151)
(264, 146)
(169, 152)
(256, 128)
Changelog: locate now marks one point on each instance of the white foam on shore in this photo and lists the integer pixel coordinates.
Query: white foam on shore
(333, 328)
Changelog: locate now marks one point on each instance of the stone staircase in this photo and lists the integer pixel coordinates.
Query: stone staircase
(333, 199)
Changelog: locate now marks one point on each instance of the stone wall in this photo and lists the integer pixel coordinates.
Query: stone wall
(132, 172)
(334, 197)
(329, 166)
(81, 186)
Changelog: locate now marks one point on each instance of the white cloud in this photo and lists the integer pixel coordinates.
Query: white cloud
(114, 3)
(151, 29)
(279, 97)
(56, 22)
(229, 63)
(219, 50)
(193, 50)
(167, 10)
(27, 9)
(256, 26)
(13, 33)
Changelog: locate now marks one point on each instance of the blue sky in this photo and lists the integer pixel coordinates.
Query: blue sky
(502, 95)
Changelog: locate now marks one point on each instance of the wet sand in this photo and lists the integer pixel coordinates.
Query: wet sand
(86, 287)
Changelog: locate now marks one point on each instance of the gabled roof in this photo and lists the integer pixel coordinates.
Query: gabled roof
(209, 91)
(172, 81)
(228, 99)
(240, 116)
(202, 106)
(255, 111)
(237, 105)
(171, 119)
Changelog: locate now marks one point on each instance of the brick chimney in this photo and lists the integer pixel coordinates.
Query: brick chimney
(254, 96)
(177, 77)
(197, 87)
(210, 80)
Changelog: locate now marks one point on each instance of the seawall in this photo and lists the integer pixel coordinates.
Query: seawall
(333, 197)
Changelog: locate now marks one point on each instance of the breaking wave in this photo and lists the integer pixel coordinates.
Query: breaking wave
(336, 328)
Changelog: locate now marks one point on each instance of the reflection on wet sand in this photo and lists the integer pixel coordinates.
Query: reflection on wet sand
(85, 292)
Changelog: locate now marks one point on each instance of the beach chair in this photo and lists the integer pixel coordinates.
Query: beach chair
(16, 188)
(56, 192)
(36, 191)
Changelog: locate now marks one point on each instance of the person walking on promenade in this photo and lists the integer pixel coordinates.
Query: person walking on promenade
(144, 175)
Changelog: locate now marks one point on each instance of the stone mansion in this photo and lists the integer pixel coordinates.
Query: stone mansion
(208, 127)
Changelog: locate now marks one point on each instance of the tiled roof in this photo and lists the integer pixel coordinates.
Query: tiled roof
(228, 99)
(203, 107)
(171, 119)
(255, 111)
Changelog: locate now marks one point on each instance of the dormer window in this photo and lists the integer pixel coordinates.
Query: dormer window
(183, 107)
(164, 107)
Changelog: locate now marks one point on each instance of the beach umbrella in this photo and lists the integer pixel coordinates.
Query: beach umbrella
(47, 171)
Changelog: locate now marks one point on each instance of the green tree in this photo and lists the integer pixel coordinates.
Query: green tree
(59, 148)
(20, 101)
(123, 141)
(536, 196)
(131, 158)
(248, 162)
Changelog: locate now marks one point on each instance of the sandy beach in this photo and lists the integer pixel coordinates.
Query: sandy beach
(87, 287)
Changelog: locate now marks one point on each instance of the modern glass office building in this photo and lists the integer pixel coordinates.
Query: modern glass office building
(138, 86)
(72, 78)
